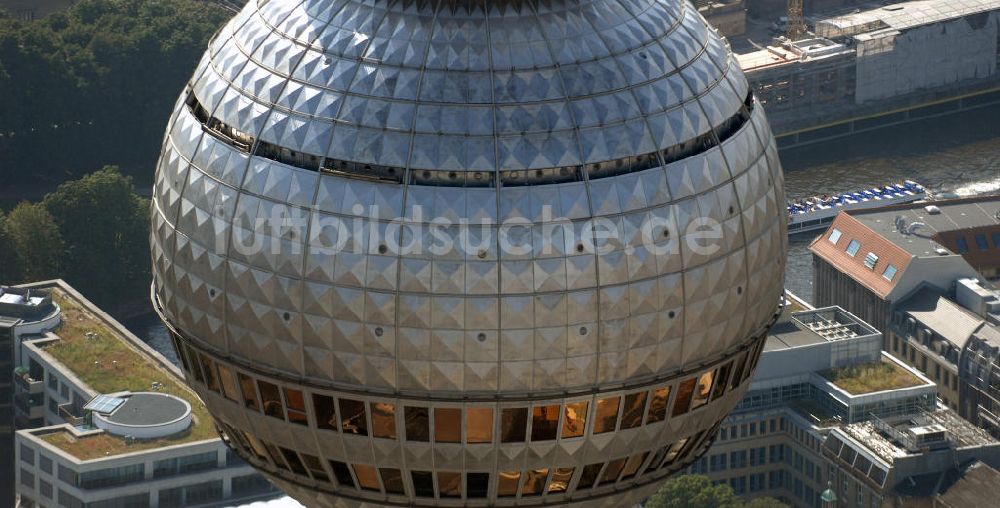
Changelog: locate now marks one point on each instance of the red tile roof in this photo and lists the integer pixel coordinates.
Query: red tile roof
(871, 241)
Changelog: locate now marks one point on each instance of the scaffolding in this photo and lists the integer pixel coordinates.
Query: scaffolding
(796, 20)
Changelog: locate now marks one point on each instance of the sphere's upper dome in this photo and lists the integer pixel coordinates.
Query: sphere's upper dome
(462, 220)
(471, 86)
(628, 110)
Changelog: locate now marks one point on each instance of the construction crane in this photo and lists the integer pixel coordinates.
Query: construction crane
(796, 20)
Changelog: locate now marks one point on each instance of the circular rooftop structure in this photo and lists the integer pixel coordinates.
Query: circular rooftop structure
(30, 311)
(144, 415)
(426, 253)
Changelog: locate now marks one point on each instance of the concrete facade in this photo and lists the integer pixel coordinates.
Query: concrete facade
(206, 473)
(939, 315)
(893, 60)
(728, 16)
(954, 339)
(7, 489)
(771, 444)
(901, 462)
(48, 474)
(786, 438)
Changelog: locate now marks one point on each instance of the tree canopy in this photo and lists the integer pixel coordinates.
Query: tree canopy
(104, 224)
(103, 78)
(93, 232)
(36, 241)
(698, 491)
(10, 266)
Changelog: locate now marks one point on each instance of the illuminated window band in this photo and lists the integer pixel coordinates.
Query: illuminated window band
(437, 422)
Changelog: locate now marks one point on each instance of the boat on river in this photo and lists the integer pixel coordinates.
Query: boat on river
(818, 212)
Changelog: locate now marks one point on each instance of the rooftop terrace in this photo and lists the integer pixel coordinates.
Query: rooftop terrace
(108, 363)
(871, 377)
(890, 439)
(799, 326)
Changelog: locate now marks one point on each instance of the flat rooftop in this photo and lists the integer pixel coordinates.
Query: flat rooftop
(955, 214)
(107, 362)
(905, 15)
(882, 438)
(814, 326)
(790, 52)
(788, 334)
(25, 304)
(148, 409)
(766, 57)
(871, 377)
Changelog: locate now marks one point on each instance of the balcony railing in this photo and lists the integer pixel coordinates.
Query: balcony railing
(32, 386)
(66, 413)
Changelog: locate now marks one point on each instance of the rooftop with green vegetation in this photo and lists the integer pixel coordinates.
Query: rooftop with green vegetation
(121, 367)
(871, 377)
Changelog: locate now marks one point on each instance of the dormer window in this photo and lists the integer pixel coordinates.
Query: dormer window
(853, 248)
(889, 273)
(834, 236)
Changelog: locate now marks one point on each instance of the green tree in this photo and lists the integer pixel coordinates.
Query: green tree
(10, 266)
(764, 502)
(105, 227)
(36, 240)
(104, 76)
(698, 491)
(693, 491)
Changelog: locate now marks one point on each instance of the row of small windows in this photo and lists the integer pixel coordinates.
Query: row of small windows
(108, 477)
(176, 497)
(455, 484)
(871, 259)
(749, 429)
(477, 425)
(248, 144)
(982, 243)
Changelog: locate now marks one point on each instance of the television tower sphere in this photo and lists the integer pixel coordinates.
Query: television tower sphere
(468, 253)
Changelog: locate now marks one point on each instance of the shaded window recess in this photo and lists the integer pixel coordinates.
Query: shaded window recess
(225, 133)
(417, 421)
(423, 483)
(486, 178)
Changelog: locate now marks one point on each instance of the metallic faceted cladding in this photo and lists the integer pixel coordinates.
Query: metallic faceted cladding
(322, 365)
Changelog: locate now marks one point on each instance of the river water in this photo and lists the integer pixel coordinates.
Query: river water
(958, 154)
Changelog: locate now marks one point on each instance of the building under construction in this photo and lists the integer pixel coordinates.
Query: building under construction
(879, 67)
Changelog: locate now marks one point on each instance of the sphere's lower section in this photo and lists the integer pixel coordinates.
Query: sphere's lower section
(611, 446)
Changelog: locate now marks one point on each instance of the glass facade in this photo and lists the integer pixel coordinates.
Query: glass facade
(185, 465)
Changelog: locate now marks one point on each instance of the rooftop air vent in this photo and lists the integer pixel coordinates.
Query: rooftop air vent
(933, 434)
(900, 222)
(912, 228)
